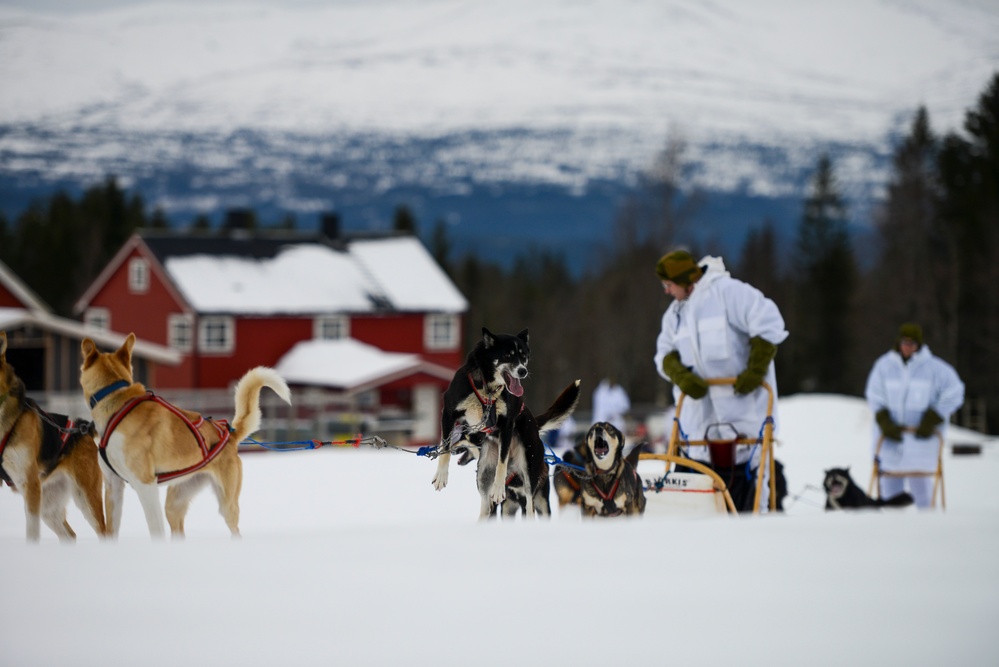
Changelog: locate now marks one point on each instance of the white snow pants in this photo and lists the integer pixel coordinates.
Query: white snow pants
(921, 489)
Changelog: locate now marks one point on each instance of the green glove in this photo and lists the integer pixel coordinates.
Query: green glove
(928, 424)
(688, 381)
(761, 353)
(889, 428)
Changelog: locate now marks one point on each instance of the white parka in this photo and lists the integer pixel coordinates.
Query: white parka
(711, 331)
(907, 390)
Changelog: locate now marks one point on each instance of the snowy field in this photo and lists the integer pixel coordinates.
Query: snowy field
(349, 557)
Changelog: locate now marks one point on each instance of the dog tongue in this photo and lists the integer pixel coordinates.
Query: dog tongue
(513, 385)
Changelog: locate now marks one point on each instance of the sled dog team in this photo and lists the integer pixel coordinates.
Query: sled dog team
(140, 439)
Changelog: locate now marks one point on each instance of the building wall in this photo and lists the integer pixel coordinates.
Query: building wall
(260, 341)
(8, 300)
(402, 332)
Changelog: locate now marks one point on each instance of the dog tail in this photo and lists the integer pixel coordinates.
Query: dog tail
(553, 418)
(903, 499)
(247, 418)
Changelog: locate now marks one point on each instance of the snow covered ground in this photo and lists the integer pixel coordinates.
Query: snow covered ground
(350, 557)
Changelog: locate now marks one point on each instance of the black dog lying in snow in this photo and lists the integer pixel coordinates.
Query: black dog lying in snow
(842, 493)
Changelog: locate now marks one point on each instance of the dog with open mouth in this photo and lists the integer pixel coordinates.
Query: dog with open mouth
(610, 485)
(483, 400)
(842, 493)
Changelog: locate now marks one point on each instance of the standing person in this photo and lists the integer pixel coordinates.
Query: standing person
(610, 404)
(912, 395)
(718, 326)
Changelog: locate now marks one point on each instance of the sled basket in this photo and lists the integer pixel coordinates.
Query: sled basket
(874, 489)
(673, 458)
(683, 493)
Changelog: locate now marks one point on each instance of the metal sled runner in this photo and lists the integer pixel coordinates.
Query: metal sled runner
(720, 494)
(874, 489)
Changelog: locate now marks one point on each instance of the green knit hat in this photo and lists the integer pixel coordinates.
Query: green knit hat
(910, 330)
(679, 267)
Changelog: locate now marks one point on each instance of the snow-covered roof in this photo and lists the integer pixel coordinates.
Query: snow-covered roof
(21, 291)
(349, 364)
(310, 278)
(15, 317)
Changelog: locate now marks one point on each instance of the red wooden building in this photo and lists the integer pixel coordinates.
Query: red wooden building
(227, 303)
(44, 348)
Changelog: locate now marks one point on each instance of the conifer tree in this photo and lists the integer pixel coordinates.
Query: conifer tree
(826, 278)
(969, 170)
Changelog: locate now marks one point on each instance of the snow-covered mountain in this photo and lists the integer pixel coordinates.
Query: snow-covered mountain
(532, 114)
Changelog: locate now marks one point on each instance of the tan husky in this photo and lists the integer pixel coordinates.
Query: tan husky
(47, 459)
(146, 441)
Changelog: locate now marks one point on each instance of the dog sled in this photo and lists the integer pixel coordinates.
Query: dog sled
(703, 491)
(874, 489)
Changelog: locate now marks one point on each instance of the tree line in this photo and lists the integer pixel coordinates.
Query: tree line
(934, 250)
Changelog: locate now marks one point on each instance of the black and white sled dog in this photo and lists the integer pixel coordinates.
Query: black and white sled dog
(484, 409)
(610, 485)
(527, 460)
(842, 493)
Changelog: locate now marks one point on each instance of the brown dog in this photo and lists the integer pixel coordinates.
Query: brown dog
(146, 441)
(48, 459)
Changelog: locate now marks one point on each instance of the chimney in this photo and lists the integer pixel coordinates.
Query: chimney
(330, 225)
(239, 219)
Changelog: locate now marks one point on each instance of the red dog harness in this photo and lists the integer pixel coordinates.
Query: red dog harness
(221, 427)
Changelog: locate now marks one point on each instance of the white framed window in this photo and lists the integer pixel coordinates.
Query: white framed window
(216, 335)
(180, 332)
(138, 275)
(98, 318)
(440, 332)
(331, 327)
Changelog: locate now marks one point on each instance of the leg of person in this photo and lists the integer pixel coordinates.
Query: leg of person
(891, 487)
(921, 489)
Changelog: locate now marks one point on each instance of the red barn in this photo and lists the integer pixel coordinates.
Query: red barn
(227, 303)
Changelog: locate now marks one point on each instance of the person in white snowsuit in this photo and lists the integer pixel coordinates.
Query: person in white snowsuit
(912, 395)
(715, 327)
(610, 404)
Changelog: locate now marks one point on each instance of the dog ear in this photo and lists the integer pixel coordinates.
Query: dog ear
(523, 335)
(632, 457)
(488, 338)
(124, 353)
(89, 352)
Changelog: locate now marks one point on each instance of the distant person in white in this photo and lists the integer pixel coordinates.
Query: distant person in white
(567, 435)
(912, 395)
(719, 327)
(611, 404)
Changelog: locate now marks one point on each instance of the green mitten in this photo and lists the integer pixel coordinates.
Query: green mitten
(889, 428)
(928, 424)
(688, 381)
(761, 353)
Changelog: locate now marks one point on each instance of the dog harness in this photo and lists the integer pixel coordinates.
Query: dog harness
(610, 509)
(221, 427)
(488, 423)
(54, 438)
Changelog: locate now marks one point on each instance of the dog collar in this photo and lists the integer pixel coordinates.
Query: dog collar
(106, 391)
(484, 400)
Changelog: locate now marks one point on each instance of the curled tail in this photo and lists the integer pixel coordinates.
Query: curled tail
(553, 418)
(247, 418)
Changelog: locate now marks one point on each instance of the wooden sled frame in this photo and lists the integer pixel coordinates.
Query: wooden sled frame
(874, 488)
(766, 454)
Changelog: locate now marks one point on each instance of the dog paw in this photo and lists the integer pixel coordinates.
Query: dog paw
(440, 480)
(497, 494)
